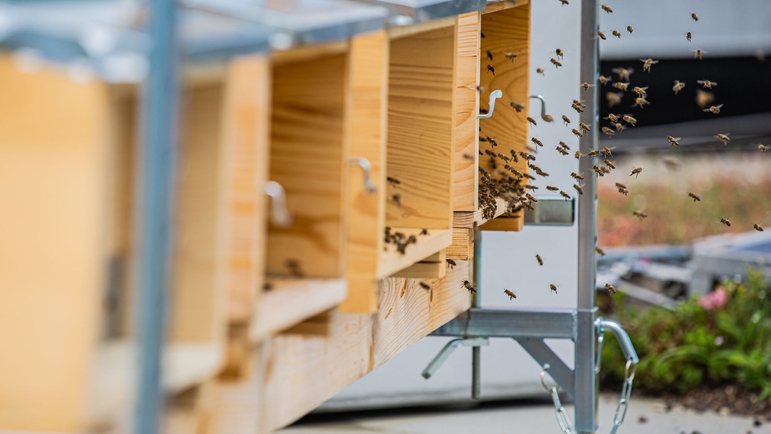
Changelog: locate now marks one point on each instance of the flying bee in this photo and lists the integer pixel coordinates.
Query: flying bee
(641, 102)
(697, 53)
(532, 121)
(604, 80)
(577, 155)
(688, 36)
(451, 263)
(623, 73)
(706, 84)
(466, 284)
(670, 163)
(424, 232)
(555, 62)
(393, 181)
(762, 147)
(576, 176)
(724, 138)
(586, 86)
(539, 259)
(630, 29)
(559, 52)
(725, 221)
(758, 227)
(694, 196)
(636, 171)
(715, 109)
(620, 85)
(610, 288)
(517, 106)
(639, 214)
(578, 188)
(616, 33)
(598, 170)
(565, 119)
(673, 141)
(593, 153)
(536, 141)
(584, 127)
(397, 200)
(640, 91)
(425, 285)
(578, 108)
(695, 17)
(577, 133)
(564, 2)
(552, 188)
(511, 295)
(490, 55)
(647, 63)
(704, 98)
(553, 287)
(607, 9)
(599, 251)
(611, 117)
(540, 71)
(624, 191)
(614, 98)
(619, 127)
(509, 56)
(630, 120)
(531, 187)
(678, 86)
(607, 151)
(620, 185)
(604, 170)
(530, 197)
(608, 131)
(565, 145)
(565, 195)
(601, 35)
(609, 164)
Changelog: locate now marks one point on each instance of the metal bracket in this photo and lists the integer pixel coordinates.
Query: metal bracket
(279, 213)
(366, 167)
(493, 96)
(545, 356)
(448, 349)
(623, 338)
(544, 116)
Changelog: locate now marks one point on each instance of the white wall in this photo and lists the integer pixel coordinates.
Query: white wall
(509, 258)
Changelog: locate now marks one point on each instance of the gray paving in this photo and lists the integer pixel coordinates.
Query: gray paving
(536, 419)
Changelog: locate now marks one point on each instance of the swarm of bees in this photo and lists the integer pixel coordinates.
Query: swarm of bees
(400, 240)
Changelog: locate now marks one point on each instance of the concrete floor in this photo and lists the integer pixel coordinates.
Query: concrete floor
(524, 417)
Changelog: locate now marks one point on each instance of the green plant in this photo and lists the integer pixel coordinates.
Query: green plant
(721, 338)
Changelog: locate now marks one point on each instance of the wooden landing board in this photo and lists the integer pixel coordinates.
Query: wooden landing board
(432, 267)
(466, 157)
(307, 157)
(391, 261)
(365, 126)
(421, 127)
(301, 372)
(506, 30)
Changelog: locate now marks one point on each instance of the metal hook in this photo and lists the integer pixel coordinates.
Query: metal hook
(493, 96)
(366, 167)
(546, 367)
(278, 211)
(544, 116)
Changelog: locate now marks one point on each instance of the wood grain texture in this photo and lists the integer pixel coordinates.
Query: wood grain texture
(466, 158)
(433, 267)
(462, 247)
(421, 129)
(308, 155)
(293, 364)
(55, 151)
(391, 261)
(465, 219)
(506, 30)
(503, 5)
(366, 133)
(246, 137)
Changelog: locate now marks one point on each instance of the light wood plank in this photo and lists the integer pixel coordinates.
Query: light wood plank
(309, 52)
(462, 247)
(504, 223)
(433, 267)
(421, 127)
(291, 301)
(366, 132)
(391, 261)
(407, 313)
(497, 6)
(508, 31)
(465, 219)
(426, 26)
(466, 158)
(324, 325)
(307, 158)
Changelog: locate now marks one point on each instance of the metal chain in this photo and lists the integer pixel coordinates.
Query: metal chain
(562, 415)
(626, 392)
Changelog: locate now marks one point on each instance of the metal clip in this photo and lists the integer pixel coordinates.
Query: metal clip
(544, 116)
(366, 167)
(279, 213)
(448, 349)
(493, 96)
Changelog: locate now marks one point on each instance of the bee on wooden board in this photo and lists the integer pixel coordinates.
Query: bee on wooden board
(552, 188)
(565, 195)
(636, 171)
(688, 36)
(466, 284)
(621, 85)
(604, 80)
(511, 295)
(539, 259)
(491, 69)
(673, 141)
(393, 181)
(532, 121)
(640, 91)
(267, 286)
(639, 214)
(553, 287)
(555, 62)
(540, 71)
(601, 35)
(630, 120)
(694, 196)
(695, 17)
(425, 285)
(715, 109)
(517, 106)
(679, 85)
(725, 221)
(566, 120)
(614, 98)
(509, 56)
(608, 131)
(630, 29)
(397, 199)
(599, 251)
(623, 73)
(294, 267)
(468, 157)
(489, 55)
(424, 232)
(640, 102)
(616, 33)
(610, 288)
(758, 227)
(697, 53)
(724, 138)
(706, 84)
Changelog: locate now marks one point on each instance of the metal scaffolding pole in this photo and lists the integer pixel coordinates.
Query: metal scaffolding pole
(585, 375)
(155, 177)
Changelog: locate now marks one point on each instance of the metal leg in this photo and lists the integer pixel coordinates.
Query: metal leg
(155, 178)
(476, 352)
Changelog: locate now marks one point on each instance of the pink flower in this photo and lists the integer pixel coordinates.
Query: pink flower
(714, 300)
